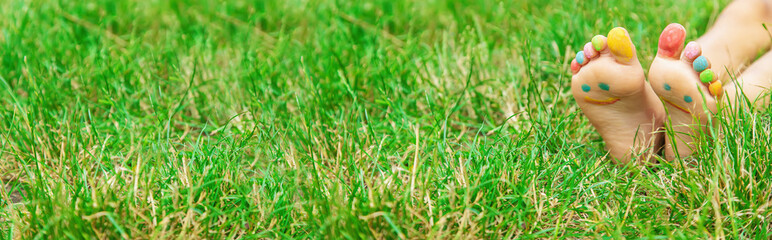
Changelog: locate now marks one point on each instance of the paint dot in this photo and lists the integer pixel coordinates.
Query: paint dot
(580, 58)
(687, 99)
(585, 87)
(715, 89)
(603, 86)
(707, 76)
(598, 42)
(667, 87)
(700, 64)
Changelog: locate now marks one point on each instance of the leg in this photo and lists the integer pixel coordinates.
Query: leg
(755, 83)
(737, 36)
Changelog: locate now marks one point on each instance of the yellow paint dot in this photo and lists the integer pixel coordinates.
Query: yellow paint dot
(715, 89)
(620, 45)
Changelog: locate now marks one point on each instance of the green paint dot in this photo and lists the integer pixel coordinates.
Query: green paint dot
(687, 99)
(706, 76)
(603, 86)
(597, 42)
(667, 87)
(585, 87)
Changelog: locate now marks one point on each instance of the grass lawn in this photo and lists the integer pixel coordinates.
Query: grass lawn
(345, 119)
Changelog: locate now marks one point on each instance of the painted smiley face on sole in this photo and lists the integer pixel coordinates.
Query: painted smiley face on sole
(602, 86)
(609, 86)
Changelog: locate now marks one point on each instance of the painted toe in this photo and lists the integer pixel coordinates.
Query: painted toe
(581, 59)
(599, 43)
(671, 41)
(700, 64)
(589, 51)
(692, 51)
(620, 45)
(575, 66)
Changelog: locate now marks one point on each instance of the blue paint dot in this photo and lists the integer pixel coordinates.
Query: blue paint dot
(603, 86)
(687, 99)
(580, 57)
(585, 87)
(700, 64)
(667, 87)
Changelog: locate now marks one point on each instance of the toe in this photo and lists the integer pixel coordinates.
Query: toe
(707, 76)
(671, 41)
(716, 89)
(599, 43)
(692, 51)
(575, 66)
(700, 64)
(589, 51)
(581, 58)
(620, 45)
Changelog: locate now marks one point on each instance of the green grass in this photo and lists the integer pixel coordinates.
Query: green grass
(344, 119)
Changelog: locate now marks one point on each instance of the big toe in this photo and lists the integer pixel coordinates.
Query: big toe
(620, 45)
(671, 41)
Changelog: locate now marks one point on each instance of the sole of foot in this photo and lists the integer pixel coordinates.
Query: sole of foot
(610, 87)
(683, 79)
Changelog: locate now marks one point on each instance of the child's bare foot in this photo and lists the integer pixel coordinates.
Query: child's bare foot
(609, 85)
(687, 85)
